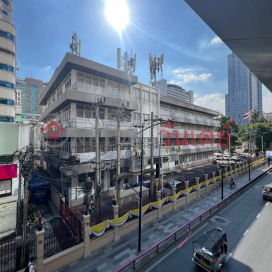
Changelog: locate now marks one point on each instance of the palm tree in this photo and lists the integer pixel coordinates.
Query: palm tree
(254, 117)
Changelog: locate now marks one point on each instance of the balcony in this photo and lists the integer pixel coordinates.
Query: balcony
(190, 119)
(87, 123)
(98, 91)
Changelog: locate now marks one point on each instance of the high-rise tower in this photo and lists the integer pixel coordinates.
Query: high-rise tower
(244, 91)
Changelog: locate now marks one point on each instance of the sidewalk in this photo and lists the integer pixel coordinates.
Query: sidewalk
(114, 255)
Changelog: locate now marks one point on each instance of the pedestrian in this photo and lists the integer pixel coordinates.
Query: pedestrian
(31, 267)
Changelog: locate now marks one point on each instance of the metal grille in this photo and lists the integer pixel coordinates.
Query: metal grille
(72, 222)
(132, 205)
(58, 240)
(180, 186)
(192, 182)
(201, 179)
(106, 213)
(11, 252)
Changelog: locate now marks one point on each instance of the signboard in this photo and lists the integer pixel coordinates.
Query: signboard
(268, 154)
(157, 160)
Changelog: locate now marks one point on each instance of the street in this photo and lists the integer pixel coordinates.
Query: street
(245, 220)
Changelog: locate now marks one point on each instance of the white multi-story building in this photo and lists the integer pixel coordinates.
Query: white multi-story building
(67, 99)
(174, 91)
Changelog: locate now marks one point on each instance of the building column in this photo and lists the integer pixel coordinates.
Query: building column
(40, 249)
(116, 215)
(106, 181)
(86, 235)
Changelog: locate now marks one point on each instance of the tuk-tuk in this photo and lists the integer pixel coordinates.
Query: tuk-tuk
(211, 250)
(267, 192)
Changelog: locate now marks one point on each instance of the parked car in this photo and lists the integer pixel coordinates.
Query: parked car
(226, 157)
(236, 158)
(172, 182)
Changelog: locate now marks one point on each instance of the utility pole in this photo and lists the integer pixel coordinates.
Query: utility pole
(27, 169)
(97, 169)
(151, 191)
(118, 113)
(262, 142)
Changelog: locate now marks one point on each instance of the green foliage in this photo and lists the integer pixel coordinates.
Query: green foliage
(254, 117)
(233, 129)
(31, 213)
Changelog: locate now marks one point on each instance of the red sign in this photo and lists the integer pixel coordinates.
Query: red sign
(53, 134)
(8, 171)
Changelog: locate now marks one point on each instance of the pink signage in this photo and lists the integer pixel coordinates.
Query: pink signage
(8, 171)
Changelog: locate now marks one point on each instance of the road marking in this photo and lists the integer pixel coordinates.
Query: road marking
(170, 252)
(266, 203)
(229, 206)
(229, 255)
(246, 232)
(258, 215)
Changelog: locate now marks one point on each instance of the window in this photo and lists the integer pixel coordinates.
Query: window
(6, 84)
(101, 113)
(7, 101)
(6, 2)
(7, 35)
(6, 119)
(80, 113)
(137, 93)
(176, 162)
(154, 98)
(7, 67)
(3, 11)
(79, 146)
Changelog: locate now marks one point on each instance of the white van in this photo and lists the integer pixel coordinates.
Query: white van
(217, 156)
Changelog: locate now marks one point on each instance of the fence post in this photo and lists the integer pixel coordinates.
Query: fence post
(115, 216)
(197, 183)
(86, 234)
(206, 179)
(40, 249)
(187, 187)
(158, 194)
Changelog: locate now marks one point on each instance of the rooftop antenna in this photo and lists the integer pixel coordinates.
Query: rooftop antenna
(155, 66)
(127, 61)
(74, 46)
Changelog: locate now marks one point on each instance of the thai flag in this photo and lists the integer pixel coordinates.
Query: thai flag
(40, 220)
(247, 115)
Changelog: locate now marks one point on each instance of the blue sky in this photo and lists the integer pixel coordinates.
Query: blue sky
(194, 57)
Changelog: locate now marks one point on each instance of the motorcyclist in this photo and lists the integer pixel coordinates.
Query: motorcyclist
(232, 182)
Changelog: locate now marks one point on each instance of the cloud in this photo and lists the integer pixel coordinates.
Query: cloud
(216, 40)
(193, 77)
(214, 101)
(180, 70)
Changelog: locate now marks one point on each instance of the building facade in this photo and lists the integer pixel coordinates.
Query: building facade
(174, 91)
(267, 115)
(68, 100)
(29, 91)
(244, 91)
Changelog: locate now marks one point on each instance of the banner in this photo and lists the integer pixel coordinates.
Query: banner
(119, 221)
(187, 191)
(99, 229)
(144, 209)
(197, 187)
(174, 197)
(158, 204)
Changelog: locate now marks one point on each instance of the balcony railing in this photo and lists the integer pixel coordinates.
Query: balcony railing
(89, 123)
(98, 91)
(195, 118)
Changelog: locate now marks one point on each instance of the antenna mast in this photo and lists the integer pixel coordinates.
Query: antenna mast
(74, 46)
(155, 65)
(128, 62)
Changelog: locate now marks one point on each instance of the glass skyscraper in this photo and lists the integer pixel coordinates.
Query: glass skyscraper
(244, 91)
(30, 92)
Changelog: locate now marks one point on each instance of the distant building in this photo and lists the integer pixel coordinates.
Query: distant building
(267, 115)
(244, 91)
(29, 91)
(174, 91)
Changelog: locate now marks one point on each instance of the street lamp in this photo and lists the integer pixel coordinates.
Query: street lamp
(141, 179)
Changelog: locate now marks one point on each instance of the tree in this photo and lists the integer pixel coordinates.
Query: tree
(262, 120)
(233, 129)
(254, 117)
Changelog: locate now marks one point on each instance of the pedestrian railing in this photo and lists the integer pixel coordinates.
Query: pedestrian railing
(140, 260)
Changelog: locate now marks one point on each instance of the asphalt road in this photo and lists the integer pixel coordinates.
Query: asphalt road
(247, 222)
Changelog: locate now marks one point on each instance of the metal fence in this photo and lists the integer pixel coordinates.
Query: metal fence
(132, 205)
(180, 186)
(11, 252)
(72, 222)
(57, 240)
(106, 213)
(172, 238)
